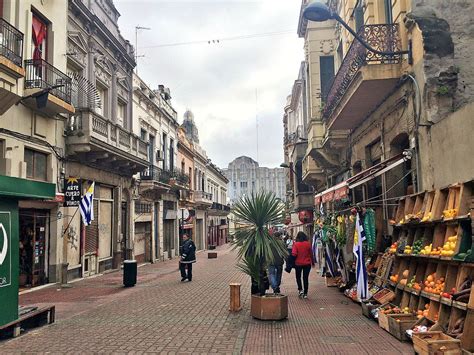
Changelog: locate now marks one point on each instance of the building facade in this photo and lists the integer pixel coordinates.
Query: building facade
(406, 114)
(246, 177)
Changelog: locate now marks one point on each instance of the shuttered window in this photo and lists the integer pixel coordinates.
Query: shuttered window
(327, 75)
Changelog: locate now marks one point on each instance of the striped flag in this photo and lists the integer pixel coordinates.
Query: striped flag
(86, 206)
(361, 270)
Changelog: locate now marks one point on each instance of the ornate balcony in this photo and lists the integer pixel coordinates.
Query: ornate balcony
(364, 78)
(11, 60)
(312, 173)
(100, 142)
(219, 209)
(41, 75)
(154, 182)
(203, 198)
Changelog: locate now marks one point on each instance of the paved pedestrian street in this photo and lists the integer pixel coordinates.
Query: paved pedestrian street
(163, 315)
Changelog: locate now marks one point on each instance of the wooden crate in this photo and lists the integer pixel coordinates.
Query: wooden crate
(383, 318)
(428, 205)
(384, 295)
(399, 323)
(439, 203)
(332, 281)
(367, 309)
(429, 343)
(467, 339)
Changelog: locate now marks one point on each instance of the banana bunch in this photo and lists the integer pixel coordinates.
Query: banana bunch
(341, 231)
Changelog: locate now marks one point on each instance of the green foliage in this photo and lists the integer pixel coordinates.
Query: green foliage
(255, 245)
(443, 90)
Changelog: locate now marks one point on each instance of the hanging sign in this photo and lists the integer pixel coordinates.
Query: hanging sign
(5, 250)
(72, 192)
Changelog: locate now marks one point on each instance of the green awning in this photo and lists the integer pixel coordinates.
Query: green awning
(26, 189)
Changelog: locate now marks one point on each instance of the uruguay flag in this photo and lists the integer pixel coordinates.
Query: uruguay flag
(361, 270)
(86, 206)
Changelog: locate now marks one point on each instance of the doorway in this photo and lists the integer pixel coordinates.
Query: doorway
(34, 235)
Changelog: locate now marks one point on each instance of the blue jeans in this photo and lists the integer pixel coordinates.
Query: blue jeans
(274, 274)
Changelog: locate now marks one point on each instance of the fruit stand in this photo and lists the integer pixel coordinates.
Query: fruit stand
(433, 266)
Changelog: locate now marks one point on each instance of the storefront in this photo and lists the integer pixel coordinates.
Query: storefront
(11, 191)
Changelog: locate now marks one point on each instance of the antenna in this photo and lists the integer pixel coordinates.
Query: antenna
(256, 117)
(137, 28)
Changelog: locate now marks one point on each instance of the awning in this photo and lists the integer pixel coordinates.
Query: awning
(26, 189)
(341, 190)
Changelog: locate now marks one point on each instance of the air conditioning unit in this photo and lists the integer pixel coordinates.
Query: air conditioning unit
(159, 155)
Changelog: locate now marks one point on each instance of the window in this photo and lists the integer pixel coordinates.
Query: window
(103, 94)
(121, 113)
(326, 64)
(171, 154)
(190, 178)
(359, 17)
(388, 11)
(243, 184)
(235, 185)
(36, 164)
(164, 150)
(143, 134)
(39, 38)
(2, 142)
(183, 166)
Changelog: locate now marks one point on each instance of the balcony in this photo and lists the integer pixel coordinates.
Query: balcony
(179, 180)
(154, 182)
(41, 75)
(11, 60)
(364, 78)
(304, 201)
(100, 142)
(186, 198)
(142, 207)
(203, 198)
(219, 209)
(312, 173)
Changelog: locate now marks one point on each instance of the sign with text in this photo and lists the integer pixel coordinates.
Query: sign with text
(5, 250)
(72, 192)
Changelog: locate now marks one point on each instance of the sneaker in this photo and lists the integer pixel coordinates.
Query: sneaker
(300, 293)
(277, 290)
(305, 296)
(183, 279)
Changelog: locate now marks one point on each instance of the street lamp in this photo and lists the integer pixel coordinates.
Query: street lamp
(286, 166)
(319, 12)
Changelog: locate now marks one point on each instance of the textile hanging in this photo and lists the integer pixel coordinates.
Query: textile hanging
(39, 35)
(370, 232)
(361, 270)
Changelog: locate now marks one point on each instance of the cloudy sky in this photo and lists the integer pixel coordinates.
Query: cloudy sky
(228, 84)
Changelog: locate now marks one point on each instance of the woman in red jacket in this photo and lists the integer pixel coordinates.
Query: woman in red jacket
(303, 262)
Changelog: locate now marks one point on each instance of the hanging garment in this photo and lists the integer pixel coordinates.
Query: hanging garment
(361, 270)
(369, 228)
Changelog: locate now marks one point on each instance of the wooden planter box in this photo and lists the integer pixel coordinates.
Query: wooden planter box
(398, 324)
(436, 343)
(269, 307)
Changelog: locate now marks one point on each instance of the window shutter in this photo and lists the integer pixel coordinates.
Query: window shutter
(327, 75)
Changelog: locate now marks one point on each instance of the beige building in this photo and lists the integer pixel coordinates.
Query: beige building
(367, 109)
(33, 63)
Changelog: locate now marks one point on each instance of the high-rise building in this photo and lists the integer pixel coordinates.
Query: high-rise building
(246, 177)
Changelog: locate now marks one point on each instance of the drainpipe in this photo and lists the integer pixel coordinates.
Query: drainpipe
(416, 132)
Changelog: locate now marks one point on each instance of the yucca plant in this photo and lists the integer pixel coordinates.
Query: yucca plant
(256, 247)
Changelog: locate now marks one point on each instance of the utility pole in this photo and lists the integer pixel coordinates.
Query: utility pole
(256, 117)
(137, 28)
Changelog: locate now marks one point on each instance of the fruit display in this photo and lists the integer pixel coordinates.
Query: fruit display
(413, 284)
(457, 330)
(426, 250)
(433, 285)
(417, 246)
(423, 313)
(436, 252)
(427, 217)
(450, 213)
(450, 246)
(408, 250)
(393, 248)
(395, 310)
(462, 295)
(394, 278)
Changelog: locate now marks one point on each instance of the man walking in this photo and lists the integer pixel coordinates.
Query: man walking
(188, 257)
(275, 269)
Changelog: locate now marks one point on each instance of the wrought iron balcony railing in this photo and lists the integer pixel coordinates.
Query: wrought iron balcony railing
(180, 177)
(42, 75)
(202, 195)
(142, 207)
(154, 173)
(220, 207)
(384, 38)
(11, 43)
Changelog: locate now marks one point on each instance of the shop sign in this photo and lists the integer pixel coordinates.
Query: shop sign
(72, 192)
(5, 249)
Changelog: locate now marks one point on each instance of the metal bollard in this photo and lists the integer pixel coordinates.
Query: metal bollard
(129, 273)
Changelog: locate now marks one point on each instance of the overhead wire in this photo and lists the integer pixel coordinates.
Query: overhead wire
(222, 39)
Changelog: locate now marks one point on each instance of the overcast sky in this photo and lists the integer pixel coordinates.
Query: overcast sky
(219, 81)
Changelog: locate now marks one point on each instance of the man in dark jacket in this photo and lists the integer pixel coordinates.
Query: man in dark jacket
(275, 269)
(188, 257)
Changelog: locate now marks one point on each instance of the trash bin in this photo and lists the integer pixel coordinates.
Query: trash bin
(129, 273)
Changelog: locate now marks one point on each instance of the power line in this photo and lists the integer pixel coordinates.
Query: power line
(219, 40)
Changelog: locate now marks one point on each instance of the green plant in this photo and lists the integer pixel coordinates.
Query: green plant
(256, 247)
(443, 90)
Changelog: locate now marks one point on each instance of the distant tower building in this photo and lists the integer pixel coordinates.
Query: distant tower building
(190, 128)
(246, 177)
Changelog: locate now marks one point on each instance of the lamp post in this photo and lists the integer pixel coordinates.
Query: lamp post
(286, 166)
(319, 12)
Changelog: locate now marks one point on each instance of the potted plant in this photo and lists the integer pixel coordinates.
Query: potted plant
(257, 249)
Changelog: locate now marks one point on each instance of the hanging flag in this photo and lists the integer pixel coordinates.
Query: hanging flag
(321, 209)
(361, 271)
(86, 207)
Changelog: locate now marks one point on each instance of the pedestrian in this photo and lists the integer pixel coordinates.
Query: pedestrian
(290, 259)
(275, 267)
(188, 257)
(303, 262)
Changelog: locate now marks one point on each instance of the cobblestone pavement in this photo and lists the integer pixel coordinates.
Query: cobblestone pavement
(163, 315)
